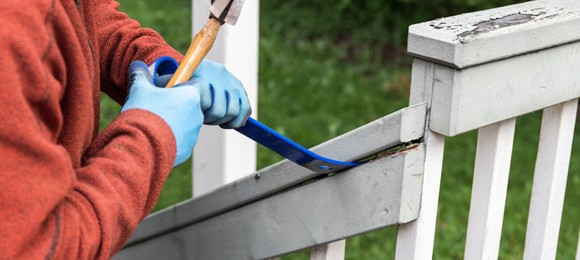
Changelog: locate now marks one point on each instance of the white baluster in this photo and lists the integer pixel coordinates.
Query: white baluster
(331, 251)
(415, 239)
(490, 180)
(550, 176)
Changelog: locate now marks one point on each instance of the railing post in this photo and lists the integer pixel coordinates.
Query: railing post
(415, 239)
(222, 156)
(473, 76)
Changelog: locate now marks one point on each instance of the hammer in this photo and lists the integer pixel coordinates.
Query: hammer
(221, 11)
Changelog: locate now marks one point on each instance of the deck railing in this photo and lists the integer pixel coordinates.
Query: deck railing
(476, 71)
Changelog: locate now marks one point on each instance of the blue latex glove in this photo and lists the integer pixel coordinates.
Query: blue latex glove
(224, 101)
(178, 106)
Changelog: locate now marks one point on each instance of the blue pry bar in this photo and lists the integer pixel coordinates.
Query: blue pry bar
(291, 150)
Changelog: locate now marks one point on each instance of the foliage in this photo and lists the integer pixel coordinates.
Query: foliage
(317, 97)
(364, 21)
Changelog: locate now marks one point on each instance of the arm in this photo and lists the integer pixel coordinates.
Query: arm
(54, 210)
(53, 204)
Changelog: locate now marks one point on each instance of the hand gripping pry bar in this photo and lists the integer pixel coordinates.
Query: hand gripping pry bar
(268, 137)
(227, 11)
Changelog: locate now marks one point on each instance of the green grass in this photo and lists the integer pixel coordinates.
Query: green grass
(312, 89)
(318, 96)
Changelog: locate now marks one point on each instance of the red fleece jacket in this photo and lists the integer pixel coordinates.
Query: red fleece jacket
(66, 192)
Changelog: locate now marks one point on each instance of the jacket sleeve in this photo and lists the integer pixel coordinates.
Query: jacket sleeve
(53, 204)
(121, 41)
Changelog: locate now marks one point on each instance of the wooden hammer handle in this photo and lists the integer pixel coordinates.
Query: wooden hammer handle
(199, 47)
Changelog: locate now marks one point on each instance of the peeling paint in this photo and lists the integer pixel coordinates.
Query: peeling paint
(494, 24)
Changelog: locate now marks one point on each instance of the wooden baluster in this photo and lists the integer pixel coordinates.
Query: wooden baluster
(331, 251)
(490, 180)
(550, 175)
(415, 239)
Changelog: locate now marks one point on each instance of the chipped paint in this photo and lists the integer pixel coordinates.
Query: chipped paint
(463, 28)
(399, 152)
(467, 40)
(494, 24)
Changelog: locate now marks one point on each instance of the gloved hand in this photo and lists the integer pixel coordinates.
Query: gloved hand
(224, 101)
(178, 106)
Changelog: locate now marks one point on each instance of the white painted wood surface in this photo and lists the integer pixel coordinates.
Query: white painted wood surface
(399, 127)
(550, 176)
(488, 195)
(222, 156)
(475, 38)
(422, 76)
(499, 63)
(415, 239)
(331, 251)
(465, 100)
(359, 200)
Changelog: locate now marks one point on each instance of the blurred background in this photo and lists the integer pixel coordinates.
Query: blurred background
(327, 67)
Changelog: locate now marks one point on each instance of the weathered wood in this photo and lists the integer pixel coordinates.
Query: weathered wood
(497, 64)
(475, 38)
(415, 239)
(465, 100)
(332, 251)
(362, 199)
(222, 156)
(488, 195)
(550, 176)
(399, 127)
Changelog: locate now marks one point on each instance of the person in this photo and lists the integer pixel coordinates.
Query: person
(69, 192)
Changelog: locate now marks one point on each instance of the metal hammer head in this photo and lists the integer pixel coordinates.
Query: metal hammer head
(227, 11)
